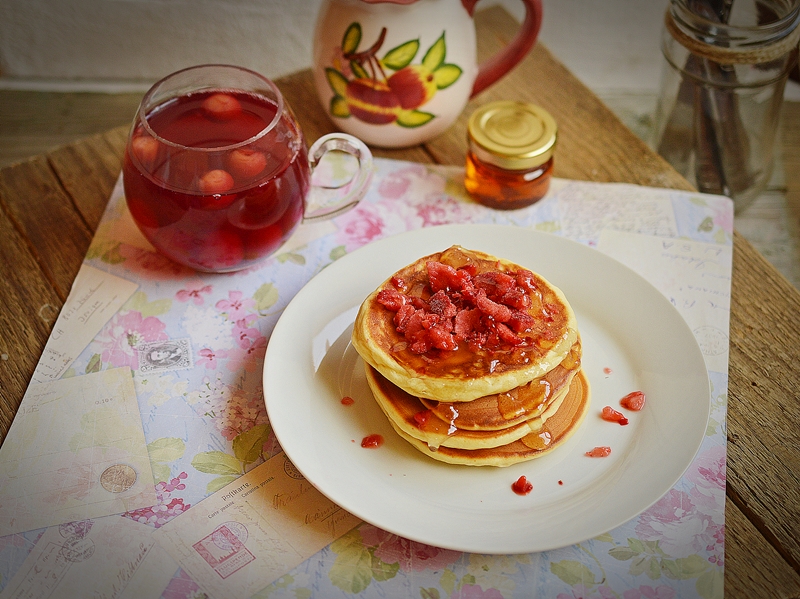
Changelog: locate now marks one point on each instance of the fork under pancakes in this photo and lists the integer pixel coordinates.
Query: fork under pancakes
(491, 400)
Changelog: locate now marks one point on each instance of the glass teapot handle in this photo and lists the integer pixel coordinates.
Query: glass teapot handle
(501, 63)
(330, 198)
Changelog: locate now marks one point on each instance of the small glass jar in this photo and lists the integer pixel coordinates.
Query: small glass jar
(726, 65)
(510, 155)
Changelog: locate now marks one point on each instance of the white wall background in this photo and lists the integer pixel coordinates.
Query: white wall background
(119, 45)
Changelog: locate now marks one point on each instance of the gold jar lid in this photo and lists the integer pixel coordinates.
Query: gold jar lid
(512, 135)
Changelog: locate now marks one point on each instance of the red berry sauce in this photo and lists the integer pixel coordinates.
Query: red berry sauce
(522, 486)
(372, 441)
(599, 452)
(611, 415)
(633, 401)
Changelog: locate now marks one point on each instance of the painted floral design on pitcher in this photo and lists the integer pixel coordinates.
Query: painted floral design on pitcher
(362, 89)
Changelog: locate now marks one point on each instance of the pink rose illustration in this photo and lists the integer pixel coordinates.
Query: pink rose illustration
(708, 475)
(361, 226)
(157, 266)
(473, 591)
(124, 332)
(679, 527)
(394, 185)
(410, 555)
(441, 210)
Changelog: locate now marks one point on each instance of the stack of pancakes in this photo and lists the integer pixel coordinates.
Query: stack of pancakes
(473, 359)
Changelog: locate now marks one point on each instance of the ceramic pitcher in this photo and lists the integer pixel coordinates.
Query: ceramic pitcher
(395, 73)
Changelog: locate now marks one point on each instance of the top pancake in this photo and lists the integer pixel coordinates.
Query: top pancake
(480, 363)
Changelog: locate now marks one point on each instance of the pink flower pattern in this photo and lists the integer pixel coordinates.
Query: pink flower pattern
(410, 555)
(236, 306)
(396, 184)
(194, 293)
(167, 508)
(688, 523)
(360, 226)
(648, 592)
(473, 591)
(688, 520)
(208, 357)
(124, 332)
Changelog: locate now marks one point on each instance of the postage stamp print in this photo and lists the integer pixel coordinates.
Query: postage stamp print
(224, 551)
(159, 356)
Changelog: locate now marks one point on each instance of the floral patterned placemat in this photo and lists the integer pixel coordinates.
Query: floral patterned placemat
(200, 412)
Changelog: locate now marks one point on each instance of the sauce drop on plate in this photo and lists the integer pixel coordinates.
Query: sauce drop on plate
(633, 401)
(609, 414)
(522, 486)
(599, 452)
(372, 441)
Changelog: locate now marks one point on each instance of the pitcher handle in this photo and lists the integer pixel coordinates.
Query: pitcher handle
(350, 192)
(501, 63)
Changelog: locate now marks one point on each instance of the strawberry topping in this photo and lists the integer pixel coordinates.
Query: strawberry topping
(484, 311)
(611, 415)
(633, 401)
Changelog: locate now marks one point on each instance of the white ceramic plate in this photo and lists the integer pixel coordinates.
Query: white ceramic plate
(626, 326)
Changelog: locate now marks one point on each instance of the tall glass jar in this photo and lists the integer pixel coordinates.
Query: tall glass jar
(726, 66)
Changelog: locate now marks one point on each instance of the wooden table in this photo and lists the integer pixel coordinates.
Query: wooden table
(51, 205)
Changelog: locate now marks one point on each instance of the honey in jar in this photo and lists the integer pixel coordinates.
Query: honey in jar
(510, 155)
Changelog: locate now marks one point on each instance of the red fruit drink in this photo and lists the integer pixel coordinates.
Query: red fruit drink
(216, 180)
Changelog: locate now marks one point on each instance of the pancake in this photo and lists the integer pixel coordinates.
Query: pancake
(408, 414)
(509, 326)
(557, 428)
(501, 410)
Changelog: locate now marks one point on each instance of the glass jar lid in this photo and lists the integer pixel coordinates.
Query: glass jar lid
(512, 135)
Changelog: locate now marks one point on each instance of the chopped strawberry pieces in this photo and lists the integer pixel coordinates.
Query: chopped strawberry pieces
(497, 311)
(522, 486)
(520, 322)
(599, 452)
(633, 401)
(442, 305)
(391, 298)
(372, 441)
(398, 283)
(487, 310)
(611, 415)
(443, 276)
(422, 417)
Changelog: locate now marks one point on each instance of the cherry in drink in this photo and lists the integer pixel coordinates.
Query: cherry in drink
(216, 170)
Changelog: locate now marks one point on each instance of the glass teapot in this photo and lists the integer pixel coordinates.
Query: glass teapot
(395, 73)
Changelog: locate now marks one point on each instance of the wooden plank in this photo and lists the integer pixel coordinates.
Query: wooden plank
(35, 122)
(791, 159)
(88, 170)
(30, 308)
(763, 399)
(748, 562)
(46, 216)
